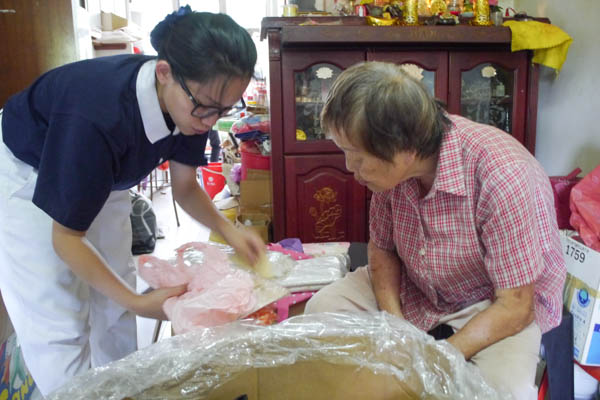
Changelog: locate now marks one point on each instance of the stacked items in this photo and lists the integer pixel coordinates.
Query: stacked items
(246, 170)
(582, 256)
(254, 173)
(314, 273)
(316, 265)
(115, 35)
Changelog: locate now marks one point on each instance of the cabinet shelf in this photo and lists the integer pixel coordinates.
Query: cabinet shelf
(502, 101)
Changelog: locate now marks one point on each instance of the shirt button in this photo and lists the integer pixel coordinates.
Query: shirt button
(422, 252)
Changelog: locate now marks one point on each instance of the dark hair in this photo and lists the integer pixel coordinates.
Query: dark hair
(379, 107)
(201, 46)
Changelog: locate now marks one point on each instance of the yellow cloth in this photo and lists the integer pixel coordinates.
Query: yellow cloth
(549, 43)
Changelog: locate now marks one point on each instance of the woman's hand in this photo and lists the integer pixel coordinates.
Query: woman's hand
(246, 243)
(149, 305)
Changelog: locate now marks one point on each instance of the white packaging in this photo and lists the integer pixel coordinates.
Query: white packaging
(582, 299)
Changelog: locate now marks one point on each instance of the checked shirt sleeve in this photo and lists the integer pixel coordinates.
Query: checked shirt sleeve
(381, 224)
(510, 231)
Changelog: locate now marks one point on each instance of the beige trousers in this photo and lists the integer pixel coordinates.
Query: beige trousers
(511, 363)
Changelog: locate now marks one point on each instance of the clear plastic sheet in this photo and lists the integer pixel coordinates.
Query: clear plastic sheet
(300, 275)
(198, 363)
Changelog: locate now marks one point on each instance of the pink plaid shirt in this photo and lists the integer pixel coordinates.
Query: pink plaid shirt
(488, 222)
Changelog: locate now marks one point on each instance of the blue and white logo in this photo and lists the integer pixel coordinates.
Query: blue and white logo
(583, 298)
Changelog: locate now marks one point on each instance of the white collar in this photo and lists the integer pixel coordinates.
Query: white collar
(152, 116)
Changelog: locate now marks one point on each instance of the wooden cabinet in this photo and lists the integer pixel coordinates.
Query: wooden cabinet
(324, 202)
(431, 65)
(36, 37)
(471, 69)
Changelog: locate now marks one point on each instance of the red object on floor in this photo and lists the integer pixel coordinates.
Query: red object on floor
(593, 371)
(543, 386)
(213, 179)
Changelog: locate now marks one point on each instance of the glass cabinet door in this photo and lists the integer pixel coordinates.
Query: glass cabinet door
(311, 88)
(428, 67)
(491, 89)
(307, 79)
(486, 95)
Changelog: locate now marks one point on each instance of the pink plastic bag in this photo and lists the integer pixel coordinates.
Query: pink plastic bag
(218, 291)
(561, 188)
(585, 209)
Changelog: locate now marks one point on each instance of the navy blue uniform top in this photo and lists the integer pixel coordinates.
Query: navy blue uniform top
(91, 127)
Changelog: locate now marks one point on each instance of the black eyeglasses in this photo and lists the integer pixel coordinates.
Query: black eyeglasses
(202, 111)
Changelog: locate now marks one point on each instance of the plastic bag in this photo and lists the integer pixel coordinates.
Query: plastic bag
(315, 273)
(218, 291)
(259, 122)
(561, 188)
(585, 209)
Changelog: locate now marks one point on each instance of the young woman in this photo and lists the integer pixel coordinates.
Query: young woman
(73, 143)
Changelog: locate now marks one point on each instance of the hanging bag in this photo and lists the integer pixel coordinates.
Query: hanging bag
(143, 224)
(561, 187)
(585, 208)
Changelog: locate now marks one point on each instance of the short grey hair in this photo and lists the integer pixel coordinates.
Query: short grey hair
(382, 109)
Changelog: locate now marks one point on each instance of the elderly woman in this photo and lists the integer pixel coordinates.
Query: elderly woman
(464, 241)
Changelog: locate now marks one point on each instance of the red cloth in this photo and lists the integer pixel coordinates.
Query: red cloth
(488, 222)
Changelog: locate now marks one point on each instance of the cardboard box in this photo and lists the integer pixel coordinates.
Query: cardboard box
(260, 223)
(256, 192)
(582, 299)
(111, 21)
(315, 380)
(318, 357)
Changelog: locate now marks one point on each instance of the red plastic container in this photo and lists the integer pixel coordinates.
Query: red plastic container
(254, 161)
(213, 179)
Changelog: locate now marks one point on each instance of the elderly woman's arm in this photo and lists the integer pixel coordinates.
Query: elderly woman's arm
(385, 269)
(511, 312)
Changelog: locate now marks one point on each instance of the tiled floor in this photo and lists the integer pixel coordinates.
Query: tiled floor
(189, 230)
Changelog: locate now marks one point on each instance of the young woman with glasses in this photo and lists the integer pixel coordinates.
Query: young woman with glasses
(74, 142)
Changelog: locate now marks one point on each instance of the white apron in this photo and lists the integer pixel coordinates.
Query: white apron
(64, 327)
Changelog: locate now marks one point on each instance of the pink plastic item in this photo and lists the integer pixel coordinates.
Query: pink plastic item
(283, 305)
(217, 292)
(294, 254)
(561, 188)
(585, 209)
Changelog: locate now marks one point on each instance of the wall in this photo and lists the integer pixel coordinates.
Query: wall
(568, 133)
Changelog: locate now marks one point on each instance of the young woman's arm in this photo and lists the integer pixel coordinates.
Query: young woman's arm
(85, 262)
(197, 203)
